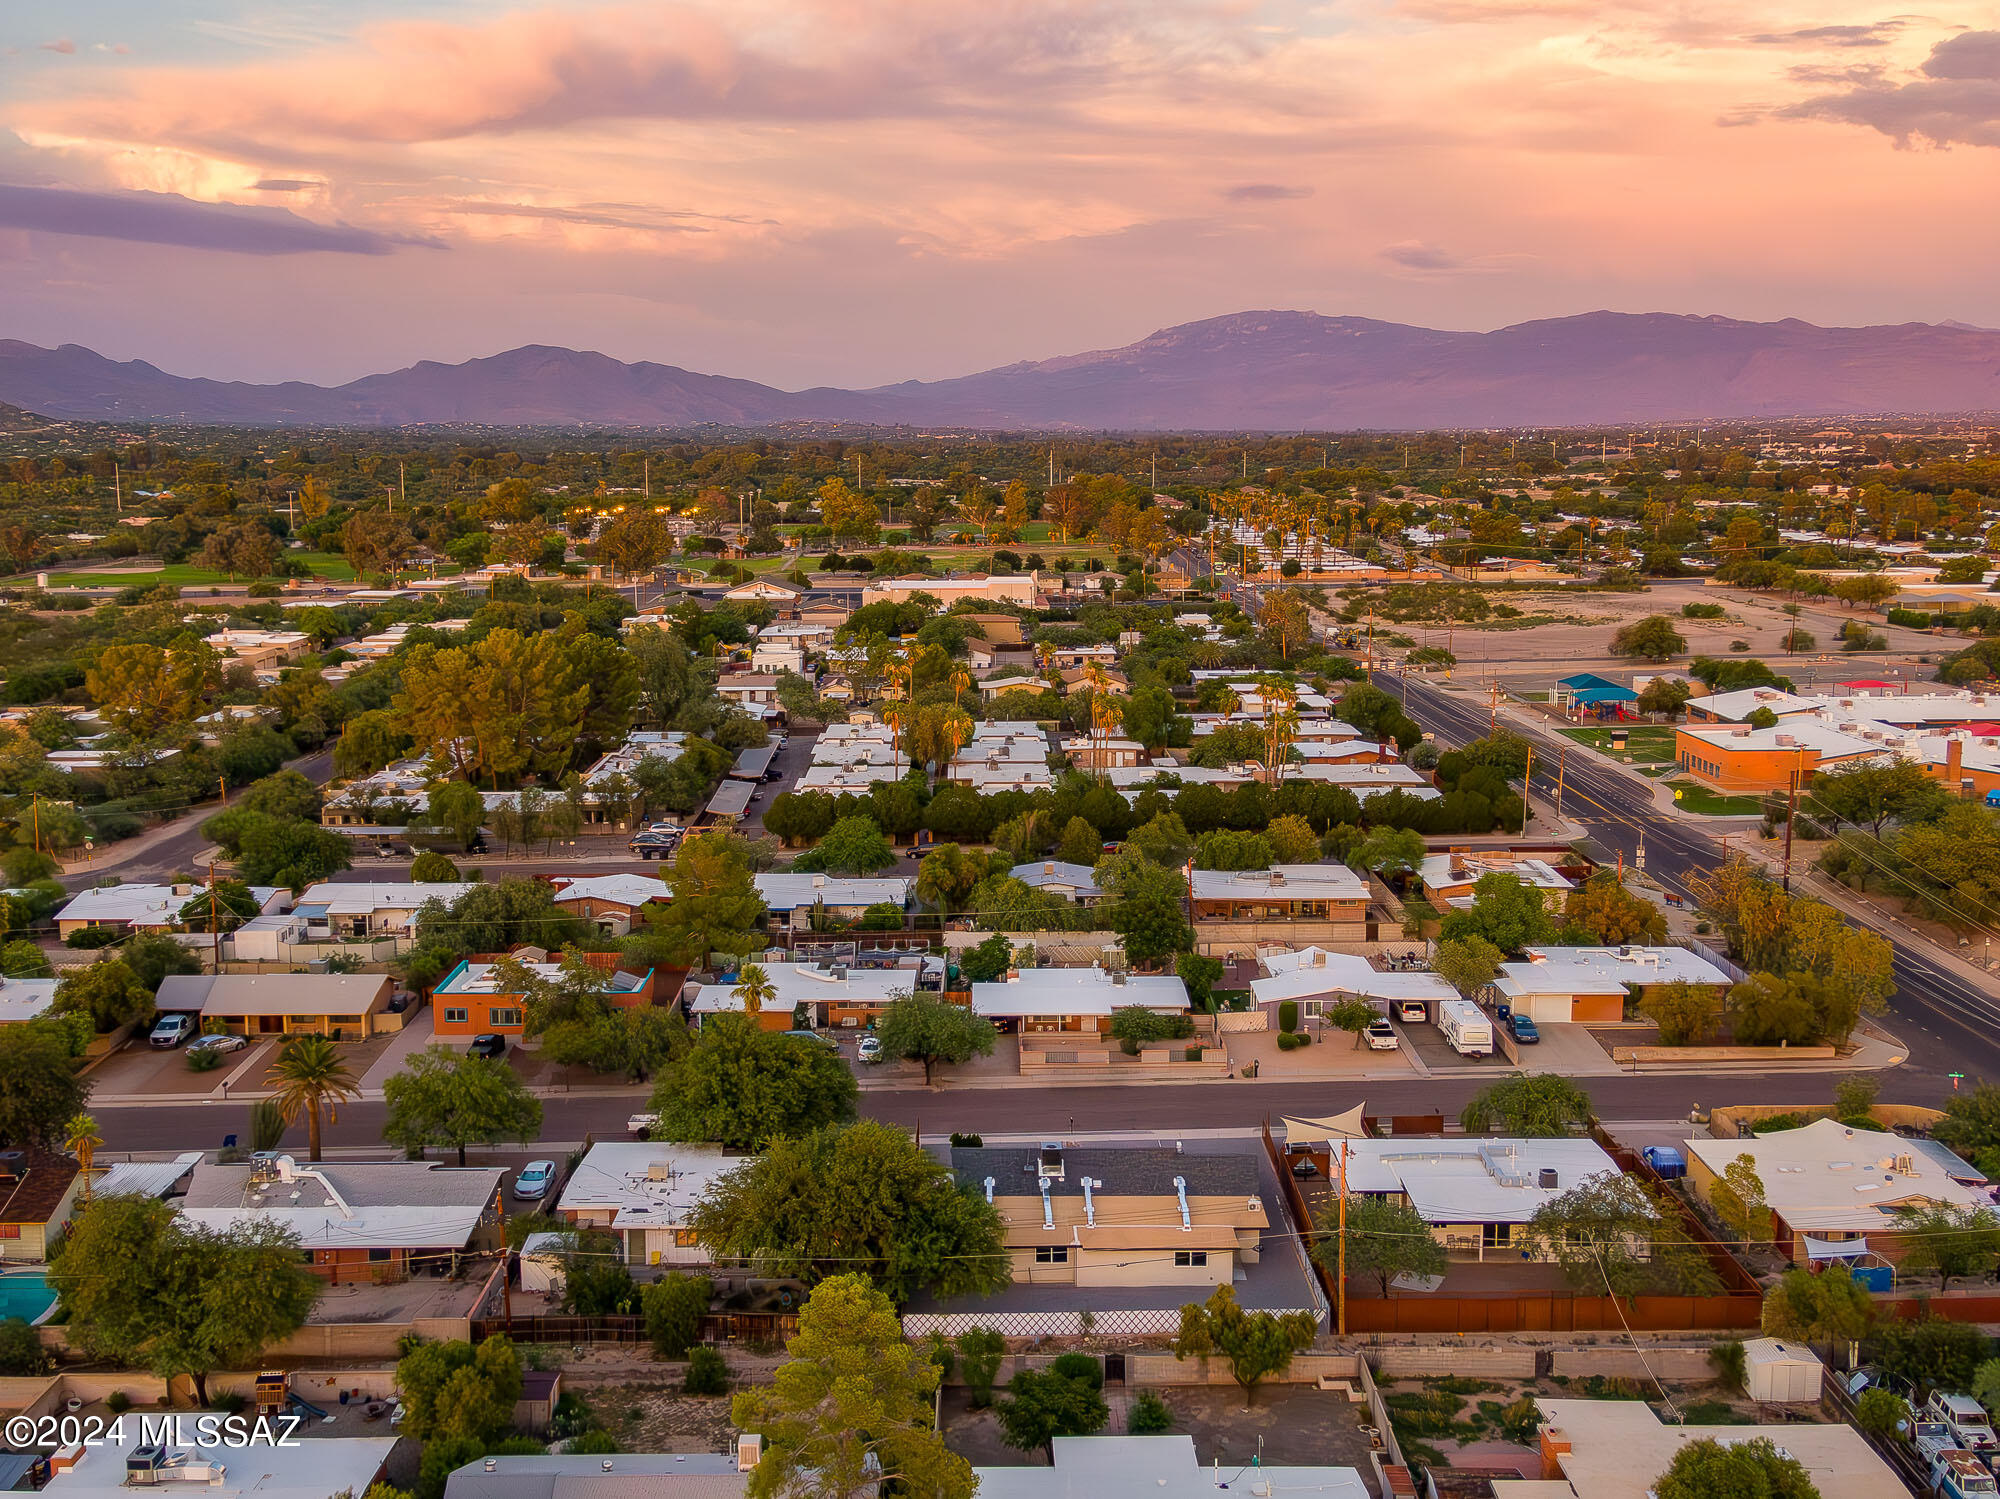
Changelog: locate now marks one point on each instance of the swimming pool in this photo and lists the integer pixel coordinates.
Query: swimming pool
(25, 1294)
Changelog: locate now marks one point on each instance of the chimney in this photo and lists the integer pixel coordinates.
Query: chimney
(1954, 760)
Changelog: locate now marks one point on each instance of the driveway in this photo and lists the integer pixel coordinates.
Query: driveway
(790, 763)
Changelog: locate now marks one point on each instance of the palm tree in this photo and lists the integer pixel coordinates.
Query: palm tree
(308, 1074)
(82, 1140)
(755, 988)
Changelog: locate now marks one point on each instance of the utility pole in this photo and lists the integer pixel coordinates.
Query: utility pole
(403, 485)
(1562, 764)
(1340, 1281)
(1493, 707)
(1527, 785)
(646, 475)
(117, 487)
(1791, 817)
(38, 824)
(214, 926)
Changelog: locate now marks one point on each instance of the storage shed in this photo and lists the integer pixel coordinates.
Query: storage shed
(1781, 1373)
(542, 1263)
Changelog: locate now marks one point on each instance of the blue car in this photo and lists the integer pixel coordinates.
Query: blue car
(1523, 1030)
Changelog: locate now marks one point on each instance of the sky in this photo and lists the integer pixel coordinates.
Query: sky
(854, 192)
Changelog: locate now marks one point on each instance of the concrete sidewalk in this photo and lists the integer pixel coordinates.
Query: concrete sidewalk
(412, 1038)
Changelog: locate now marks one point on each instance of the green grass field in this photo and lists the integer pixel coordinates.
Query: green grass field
(1646, 744)
(1691, 797)
(187, 575)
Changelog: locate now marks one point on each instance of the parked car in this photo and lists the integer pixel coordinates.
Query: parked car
(641, 1125)
(1411, 1011)
(218, 1043)
(814, 1036)
(1523, 1030)
(401, 1000)
(533, 1184)
(489, 1045)
(172, 1030)
(870, 1049)
(1381, 1035)
(654, 845)
(664, 827)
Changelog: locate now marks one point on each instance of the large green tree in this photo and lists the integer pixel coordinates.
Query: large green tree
(1257, 1344)
(853, 846)
(715, 906)
(40, 1091)
(1505, 912)
(1754, 1469)
(1043, 1404)
(930, 1029)
(861, 1197)
(1386, 1237)
(446, 1098)
(741, 1087)
(1614, 1237)
(145, 1287)
(1539, 1106)
(851, 1411)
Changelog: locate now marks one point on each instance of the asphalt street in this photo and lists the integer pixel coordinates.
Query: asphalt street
(1948, 1021)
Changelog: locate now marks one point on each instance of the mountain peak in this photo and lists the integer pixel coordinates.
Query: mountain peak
(1268, 370)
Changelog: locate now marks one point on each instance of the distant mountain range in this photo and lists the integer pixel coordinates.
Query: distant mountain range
(1251, 371)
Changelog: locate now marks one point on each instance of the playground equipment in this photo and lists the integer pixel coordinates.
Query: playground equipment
(276, 1397)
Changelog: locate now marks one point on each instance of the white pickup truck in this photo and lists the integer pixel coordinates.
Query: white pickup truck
(641, 1125)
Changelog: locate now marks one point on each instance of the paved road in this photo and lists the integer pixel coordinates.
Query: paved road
(1949, 1021)
(1061, 1110)
(175, 850)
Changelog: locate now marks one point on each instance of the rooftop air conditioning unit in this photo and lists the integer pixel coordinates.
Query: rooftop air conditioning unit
(1547, 1179)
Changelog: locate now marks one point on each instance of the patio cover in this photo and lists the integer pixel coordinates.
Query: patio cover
(1834, 1249)
(1590, 696)
(1347, 1126)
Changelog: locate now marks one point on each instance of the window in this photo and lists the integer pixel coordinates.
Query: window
(1496, 1235)
(684, 1238)
(1190, 1258)
(380, 1256)
(454, 1016)
(505, 1017)
(10, 1230)
(1052, 1254)
(303, 1022)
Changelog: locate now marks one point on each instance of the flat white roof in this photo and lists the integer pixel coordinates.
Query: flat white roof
(1824, 1177)
(1315, 971)
(1470, 1180)
(311, 1468)
(1619, 1448)
(140, 904)
(816, 983)
(365, 900)
(1156, 1467)
(1076, 991)
(620, 889)
(1802, 733)
(1442, 870)
(647, 1184)
(1281, 882)
(24, 999)
(1604, 970)
(787, 892)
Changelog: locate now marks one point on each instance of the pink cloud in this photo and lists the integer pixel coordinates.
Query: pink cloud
(62, 44)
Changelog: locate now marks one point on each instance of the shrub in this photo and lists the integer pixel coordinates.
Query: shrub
(1288, 1015)
(969, 1141)
(1778, 1122)
(1878, 1411)
(1149, 1416)
(118, 1402)
(597, 1439)
(1081, 1366)
(708, 1373)
(205, 1060)
(1701, 611)
(1290, 1040)
(231, 1402)
(1192, 1054)
(21, 1350)
(980, 1350)
(91, 937)
(1727, 1359)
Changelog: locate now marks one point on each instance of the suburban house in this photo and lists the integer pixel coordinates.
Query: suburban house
(144, 908)
(1086, 753)
(24, 999)
(615, 903)
(261, 650)
(128, 1456)
(474, 1000)
(986, 655)
(1120, 1216)
(755, 692)
(793, 898)
(1010, 679)
(1448, 878)
(1148, 1467)
(1475, 1194)
(37, 1196)
(1617, 1449)
(644, 1193)
(1834, 1192)
(348, 1006)
(834, 994)
(1076, 883)
(333, 911)
(1003, 757)
(1590, 985)
(1287, 904)
(1316, 980)
(1074, 999)
(357, 1221)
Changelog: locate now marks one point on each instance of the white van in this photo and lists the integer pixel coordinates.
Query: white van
(1466, 1027)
